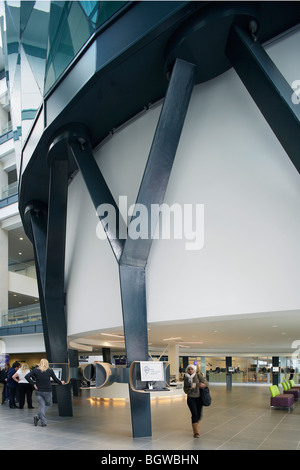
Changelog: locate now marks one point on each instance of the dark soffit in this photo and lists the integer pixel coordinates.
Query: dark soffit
(108, 90)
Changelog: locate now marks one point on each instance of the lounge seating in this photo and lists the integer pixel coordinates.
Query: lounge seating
(293, 385)
(288, 390)
(280, 400)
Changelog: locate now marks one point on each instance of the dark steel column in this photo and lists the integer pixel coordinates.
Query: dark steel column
(106, 355)
(98, 189)
(49, 252)
(268, 88)
(132, 255)
(162, 154)
(275, 375)
(74, 365)
(228, 374)
(36, 216)
(133, 292)
(55, 267)
(135, 254)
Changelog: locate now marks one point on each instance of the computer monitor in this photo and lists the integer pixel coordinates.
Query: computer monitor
(152, 371)
(58, 372)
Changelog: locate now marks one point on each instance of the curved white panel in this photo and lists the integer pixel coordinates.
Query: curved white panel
(228, 161)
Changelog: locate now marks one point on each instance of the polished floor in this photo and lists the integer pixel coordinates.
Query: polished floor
(238, 419)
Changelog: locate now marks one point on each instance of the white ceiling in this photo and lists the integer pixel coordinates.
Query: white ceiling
(273, 333)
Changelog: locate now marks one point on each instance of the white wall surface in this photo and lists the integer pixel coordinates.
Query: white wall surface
(22, 284)
(228, 160)
(23, 344)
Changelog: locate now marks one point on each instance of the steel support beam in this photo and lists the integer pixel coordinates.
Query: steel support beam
(36, 220)
(55, 267)
(99, 192)
(161, 157)
(268, 88)
(51, 296)
(133, 293)
(136, 251)
(132, 254)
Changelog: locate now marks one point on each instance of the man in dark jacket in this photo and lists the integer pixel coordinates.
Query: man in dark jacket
(12, 384)
(4, 377)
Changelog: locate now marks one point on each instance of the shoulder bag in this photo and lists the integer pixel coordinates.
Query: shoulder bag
(205, 396)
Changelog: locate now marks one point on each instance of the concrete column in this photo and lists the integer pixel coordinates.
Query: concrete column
(173, 355)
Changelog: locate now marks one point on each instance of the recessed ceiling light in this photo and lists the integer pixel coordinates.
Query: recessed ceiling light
(110, 334)
(20, 253)
(21, 238)
(170, 339)
(192, 342)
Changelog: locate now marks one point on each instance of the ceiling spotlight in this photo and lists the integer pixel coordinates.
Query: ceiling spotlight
(110, 334)
(192, 342)
(171, 339)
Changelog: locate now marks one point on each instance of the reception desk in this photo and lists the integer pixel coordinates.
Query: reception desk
(121, 391)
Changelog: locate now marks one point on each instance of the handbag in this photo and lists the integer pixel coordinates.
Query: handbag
(205, 396)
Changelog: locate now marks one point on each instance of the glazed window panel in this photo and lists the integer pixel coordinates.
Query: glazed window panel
(71, 25)
(66, 37)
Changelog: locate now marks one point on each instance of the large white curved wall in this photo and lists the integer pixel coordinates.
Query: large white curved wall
(228, 160)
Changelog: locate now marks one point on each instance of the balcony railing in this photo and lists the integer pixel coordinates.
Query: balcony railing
(9, 195)
(10, 190)
(21, 315)
(25, 269)
(6, 128)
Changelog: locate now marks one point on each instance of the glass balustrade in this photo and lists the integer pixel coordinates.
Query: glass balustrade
(18, 316)
(25, 269)
(10, 190)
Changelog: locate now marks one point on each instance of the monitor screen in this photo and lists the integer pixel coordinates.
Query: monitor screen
(58, 373)
(152, 371)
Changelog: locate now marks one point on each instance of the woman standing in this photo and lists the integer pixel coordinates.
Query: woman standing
(40, 378)
(192, 385)
(24, 387)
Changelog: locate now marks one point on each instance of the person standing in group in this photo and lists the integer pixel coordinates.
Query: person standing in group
(4, 391)
(24, 387)
(40, 378)
(192, 385)
(292, 372)
(12, 384)
(2, 381)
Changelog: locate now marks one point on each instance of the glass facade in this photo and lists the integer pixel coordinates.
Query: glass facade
(40, 40)
(251, 369)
